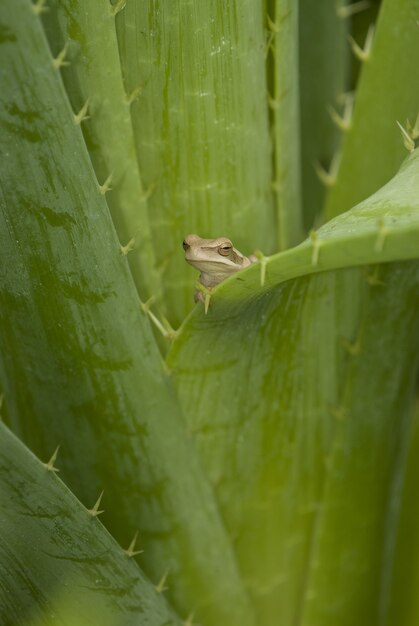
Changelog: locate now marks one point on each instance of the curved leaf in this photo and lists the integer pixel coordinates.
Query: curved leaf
(298, 396)
(387, 92)
(78, 363)
(383, 228)
(58, 564)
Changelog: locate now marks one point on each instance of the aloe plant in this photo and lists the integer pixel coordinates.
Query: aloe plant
(258, 460)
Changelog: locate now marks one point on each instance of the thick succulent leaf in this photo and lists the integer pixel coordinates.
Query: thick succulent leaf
(402, 597)
(323, 60)
(383, 228)
(201, 126)
(85, 34)
(363, 16)
(58, 564)
(298, 395)
(388, 92)
(78, 363)
(284, 101)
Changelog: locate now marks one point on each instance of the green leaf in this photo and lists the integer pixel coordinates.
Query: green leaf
(402, 597)
(298, 395)
(323, 59)
(58, 564)
(78, 363)
(284, 100)
(383, 228)
(201, 127)
(387, 93)
(92, 74)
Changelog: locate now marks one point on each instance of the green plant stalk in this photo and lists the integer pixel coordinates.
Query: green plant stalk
(88, 37)
(283, 26)
(373, 148)
(302, 428)
(55, 554)
(323, 60)
(201, 127)
(78, 363)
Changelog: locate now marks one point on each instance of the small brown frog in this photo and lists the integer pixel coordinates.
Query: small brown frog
(216, 259)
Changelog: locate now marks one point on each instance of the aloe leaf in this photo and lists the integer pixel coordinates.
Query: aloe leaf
(304, 434)
(323, 60)
(86, 37)
(383, 228)
(78, 363)
(201, 127)
(284, 101)
(363, 15)
(373, 148)
(402, 598)
(54, 554)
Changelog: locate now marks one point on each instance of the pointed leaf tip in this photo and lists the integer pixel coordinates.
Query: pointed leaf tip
(81, 116)
(161, 586)
(363, 54)
(95, 511)
(130, 551)
(59, 61)
(107, 184)
(351, 9)
(408, 142)
(50, 465)
(118, 6)
(40, 7)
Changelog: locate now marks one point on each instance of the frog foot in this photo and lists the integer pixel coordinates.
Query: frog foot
(203, 294)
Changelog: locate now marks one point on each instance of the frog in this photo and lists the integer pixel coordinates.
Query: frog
(216, 259)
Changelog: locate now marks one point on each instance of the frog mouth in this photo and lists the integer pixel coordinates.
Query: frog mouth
(222, 265)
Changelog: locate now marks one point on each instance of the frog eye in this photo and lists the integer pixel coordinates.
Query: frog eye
(225, 249)
(185, 245)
